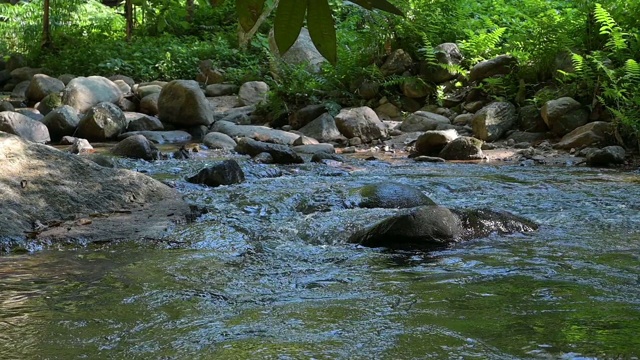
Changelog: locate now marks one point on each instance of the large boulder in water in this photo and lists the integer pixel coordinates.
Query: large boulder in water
(478, 223)
(390, 195)
(23, 126)
(82, 93)
(48, 195)
(182, 102)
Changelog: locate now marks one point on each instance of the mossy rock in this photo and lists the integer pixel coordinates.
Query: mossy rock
(389, 195)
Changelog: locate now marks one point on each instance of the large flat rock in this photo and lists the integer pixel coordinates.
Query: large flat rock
(50, 195)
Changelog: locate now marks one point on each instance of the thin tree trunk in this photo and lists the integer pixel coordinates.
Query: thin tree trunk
(46, 26)
(190, 10)
(245, 37)
(128, 9)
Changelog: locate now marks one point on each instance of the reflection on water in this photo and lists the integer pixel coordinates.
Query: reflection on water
(266, 275)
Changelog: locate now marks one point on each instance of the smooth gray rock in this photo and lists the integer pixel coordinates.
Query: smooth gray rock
(42, 85)
(253, 93)
(423, 121)
(82, 93)
(607, 156)
(314, 149)
(361, 122)
(389, 195)
(494, 120)
(564, 115)
(500, 65)
(433, 141)
(463, 148)
(323, 129)
(217, 140)
(142, 122)
(161, 137)
(23, 126)
(182, 102)
(592, 134)
(260, 133)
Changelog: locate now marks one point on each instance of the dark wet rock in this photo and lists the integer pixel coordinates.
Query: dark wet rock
(564, 115)
(61, 122)
(142, 122)
(160, 137)
(136, 147)
(42, 85)
(149, 104)
(80, 146)
(592, 134)
(306, 115)
(530, 119)
(49, 103)
(181, 154)
(423, 227)
(607, 156)
(494, 120)
(320, 157)
(430, 227)
(260, 133)
(281, 154)
(478, 223)
(500, 65)
(389, 195)
(463, 148)
(423, 121)
(416, 88)
(103, 121)
(83, 93)
(361, 122)
(433, 141)
(217, 140)
(102, 160)
(314, 149)
(227, 172)
(263, 171)
(126, 79)
(26, 73)
(355, 141)
(23, 126)
(182, 102)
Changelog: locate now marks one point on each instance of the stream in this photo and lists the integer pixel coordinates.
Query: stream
(267, 273)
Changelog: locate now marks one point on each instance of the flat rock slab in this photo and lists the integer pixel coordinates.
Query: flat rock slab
(259, 133)
(50, 195)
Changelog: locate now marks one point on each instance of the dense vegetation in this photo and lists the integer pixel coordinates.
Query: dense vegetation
(583, 49)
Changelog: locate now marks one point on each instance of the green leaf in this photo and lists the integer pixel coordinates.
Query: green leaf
(288, 22)
(322, 29)
(248, 12)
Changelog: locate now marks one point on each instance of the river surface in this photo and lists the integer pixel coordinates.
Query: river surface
(267, 273)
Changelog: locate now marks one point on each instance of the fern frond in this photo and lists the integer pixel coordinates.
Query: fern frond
(632, 69)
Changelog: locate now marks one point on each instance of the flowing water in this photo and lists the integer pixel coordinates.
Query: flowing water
(267, 274)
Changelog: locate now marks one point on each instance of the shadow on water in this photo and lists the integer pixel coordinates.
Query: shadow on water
(266, 274)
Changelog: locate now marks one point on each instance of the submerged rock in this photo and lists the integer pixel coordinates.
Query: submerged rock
(389, 195)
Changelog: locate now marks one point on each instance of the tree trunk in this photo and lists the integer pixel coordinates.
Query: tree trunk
(46, 26)
(245, 37)
(128, 9)
(190, 10)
